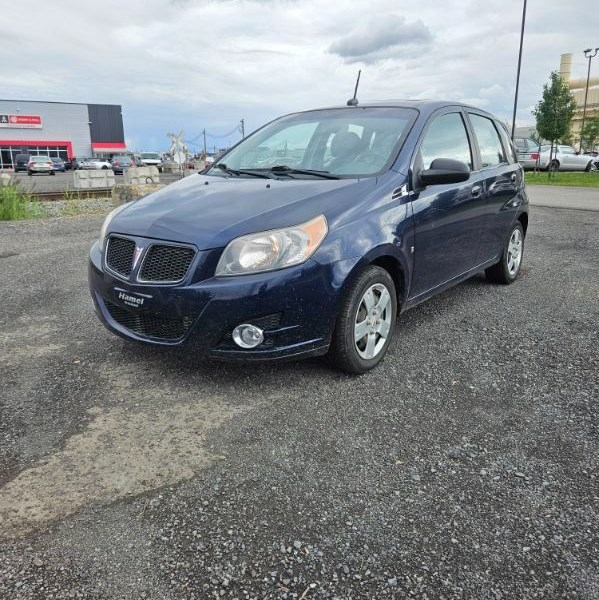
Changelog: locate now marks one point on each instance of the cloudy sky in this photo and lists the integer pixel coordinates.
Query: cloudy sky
(190, 64)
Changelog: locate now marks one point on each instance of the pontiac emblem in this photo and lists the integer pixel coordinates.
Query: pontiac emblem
(136, 256)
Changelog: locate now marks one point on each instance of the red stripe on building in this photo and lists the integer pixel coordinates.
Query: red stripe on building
(67, 145)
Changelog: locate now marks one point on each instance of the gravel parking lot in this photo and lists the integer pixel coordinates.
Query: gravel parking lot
(464, 467)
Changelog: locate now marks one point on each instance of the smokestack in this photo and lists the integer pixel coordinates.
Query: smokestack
(565, 66)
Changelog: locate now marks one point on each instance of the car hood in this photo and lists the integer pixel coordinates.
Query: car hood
(210, 211)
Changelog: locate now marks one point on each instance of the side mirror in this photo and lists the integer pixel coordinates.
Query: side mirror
(445, 170)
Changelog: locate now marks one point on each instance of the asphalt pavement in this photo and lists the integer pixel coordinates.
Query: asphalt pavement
(464, 467)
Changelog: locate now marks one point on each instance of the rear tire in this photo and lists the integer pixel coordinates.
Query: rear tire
(369, 307)
(508, 267)
(554, 166)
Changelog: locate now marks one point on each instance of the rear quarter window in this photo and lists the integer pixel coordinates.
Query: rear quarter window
(492, 152)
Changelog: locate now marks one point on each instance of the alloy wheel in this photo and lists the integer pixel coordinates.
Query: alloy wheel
(514, 252)
(373, 321)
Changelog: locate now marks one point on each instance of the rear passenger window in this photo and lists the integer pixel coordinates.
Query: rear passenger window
(446, 138)
(489, 143)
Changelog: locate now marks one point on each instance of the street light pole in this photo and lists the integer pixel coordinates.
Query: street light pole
(587, 54)
(518, 73)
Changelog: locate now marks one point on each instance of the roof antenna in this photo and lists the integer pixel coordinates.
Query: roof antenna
(354, 101)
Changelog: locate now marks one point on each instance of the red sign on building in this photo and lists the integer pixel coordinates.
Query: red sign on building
(21, 121)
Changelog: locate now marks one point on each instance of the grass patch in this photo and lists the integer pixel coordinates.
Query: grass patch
(590, 179)
(16, 204)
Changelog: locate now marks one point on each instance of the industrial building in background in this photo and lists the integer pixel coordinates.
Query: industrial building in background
(64, 129)
(578, 87)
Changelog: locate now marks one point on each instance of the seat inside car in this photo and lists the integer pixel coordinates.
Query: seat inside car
(345, 146)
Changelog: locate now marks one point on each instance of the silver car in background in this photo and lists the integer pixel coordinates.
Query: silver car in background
(564, 158)
(94, 163)
(528, 152)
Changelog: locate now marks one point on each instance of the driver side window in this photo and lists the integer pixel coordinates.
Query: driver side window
(446, 137)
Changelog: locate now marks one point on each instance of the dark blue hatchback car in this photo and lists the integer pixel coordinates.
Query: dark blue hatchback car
(312, 234)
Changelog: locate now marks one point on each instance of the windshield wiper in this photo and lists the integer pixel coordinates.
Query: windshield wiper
(285, 170)
(230, 171)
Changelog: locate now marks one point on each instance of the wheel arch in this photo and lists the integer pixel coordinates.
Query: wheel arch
(523, 218)
(387, 258)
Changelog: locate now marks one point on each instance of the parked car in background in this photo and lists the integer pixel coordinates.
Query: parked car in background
(564, 158)
(121, 163)
(151, 159)
(95, 163)
(40, 164)
(21, 161)
(312, 234)
(595, 158)
(528, 152)
(59, 164)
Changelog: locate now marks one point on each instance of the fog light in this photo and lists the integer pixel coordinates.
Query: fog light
(248, 336)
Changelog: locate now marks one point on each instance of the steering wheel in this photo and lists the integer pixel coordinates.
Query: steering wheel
(281, 160)
(370, 158)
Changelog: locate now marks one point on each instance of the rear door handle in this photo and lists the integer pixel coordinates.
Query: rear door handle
(476, 190)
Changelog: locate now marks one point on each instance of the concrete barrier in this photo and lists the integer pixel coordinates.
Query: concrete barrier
(86, 180)
(7, 179)
(127, 193)
(141, 176)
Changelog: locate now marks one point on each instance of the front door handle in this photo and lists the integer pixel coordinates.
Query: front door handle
(476, 190)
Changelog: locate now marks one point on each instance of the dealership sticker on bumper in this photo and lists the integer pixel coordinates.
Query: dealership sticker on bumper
(131, 298)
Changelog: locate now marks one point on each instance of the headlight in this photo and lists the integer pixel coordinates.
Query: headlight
(270, 250)
(107, 220)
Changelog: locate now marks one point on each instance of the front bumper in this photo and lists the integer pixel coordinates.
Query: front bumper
(298, 304)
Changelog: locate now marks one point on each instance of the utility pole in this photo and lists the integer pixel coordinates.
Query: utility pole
(204, 134)
(518, 73)
(242, 129)
(588, 53)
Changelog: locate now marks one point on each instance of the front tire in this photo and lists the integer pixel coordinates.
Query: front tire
(365, 323)
(508, 267)
(589, 166)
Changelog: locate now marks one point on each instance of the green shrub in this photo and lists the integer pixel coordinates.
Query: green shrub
(16, 204)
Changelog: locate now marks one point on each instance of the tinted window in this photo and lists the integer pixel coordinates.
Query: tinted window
(491, 150)
(446, 138)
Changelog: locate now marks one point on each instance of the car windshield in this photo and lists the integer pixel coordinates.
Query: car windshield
(56, 159)
(40, 158)
(344, 142)
(121, 159)
(150, 155)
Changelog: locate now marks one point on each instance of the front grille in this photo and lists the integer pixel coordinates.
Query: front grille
(119, 255)
(166, 263)
(150, 325)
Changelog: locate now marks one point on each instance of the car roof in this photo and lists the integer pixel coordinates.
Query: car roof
(424, 106)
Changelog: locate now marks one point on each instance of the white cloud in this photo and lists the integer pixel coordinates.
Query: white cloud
(207, 63)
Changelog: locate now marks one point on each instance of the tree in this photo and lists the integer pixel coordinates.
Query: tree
(554, 111)
(590, 133)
